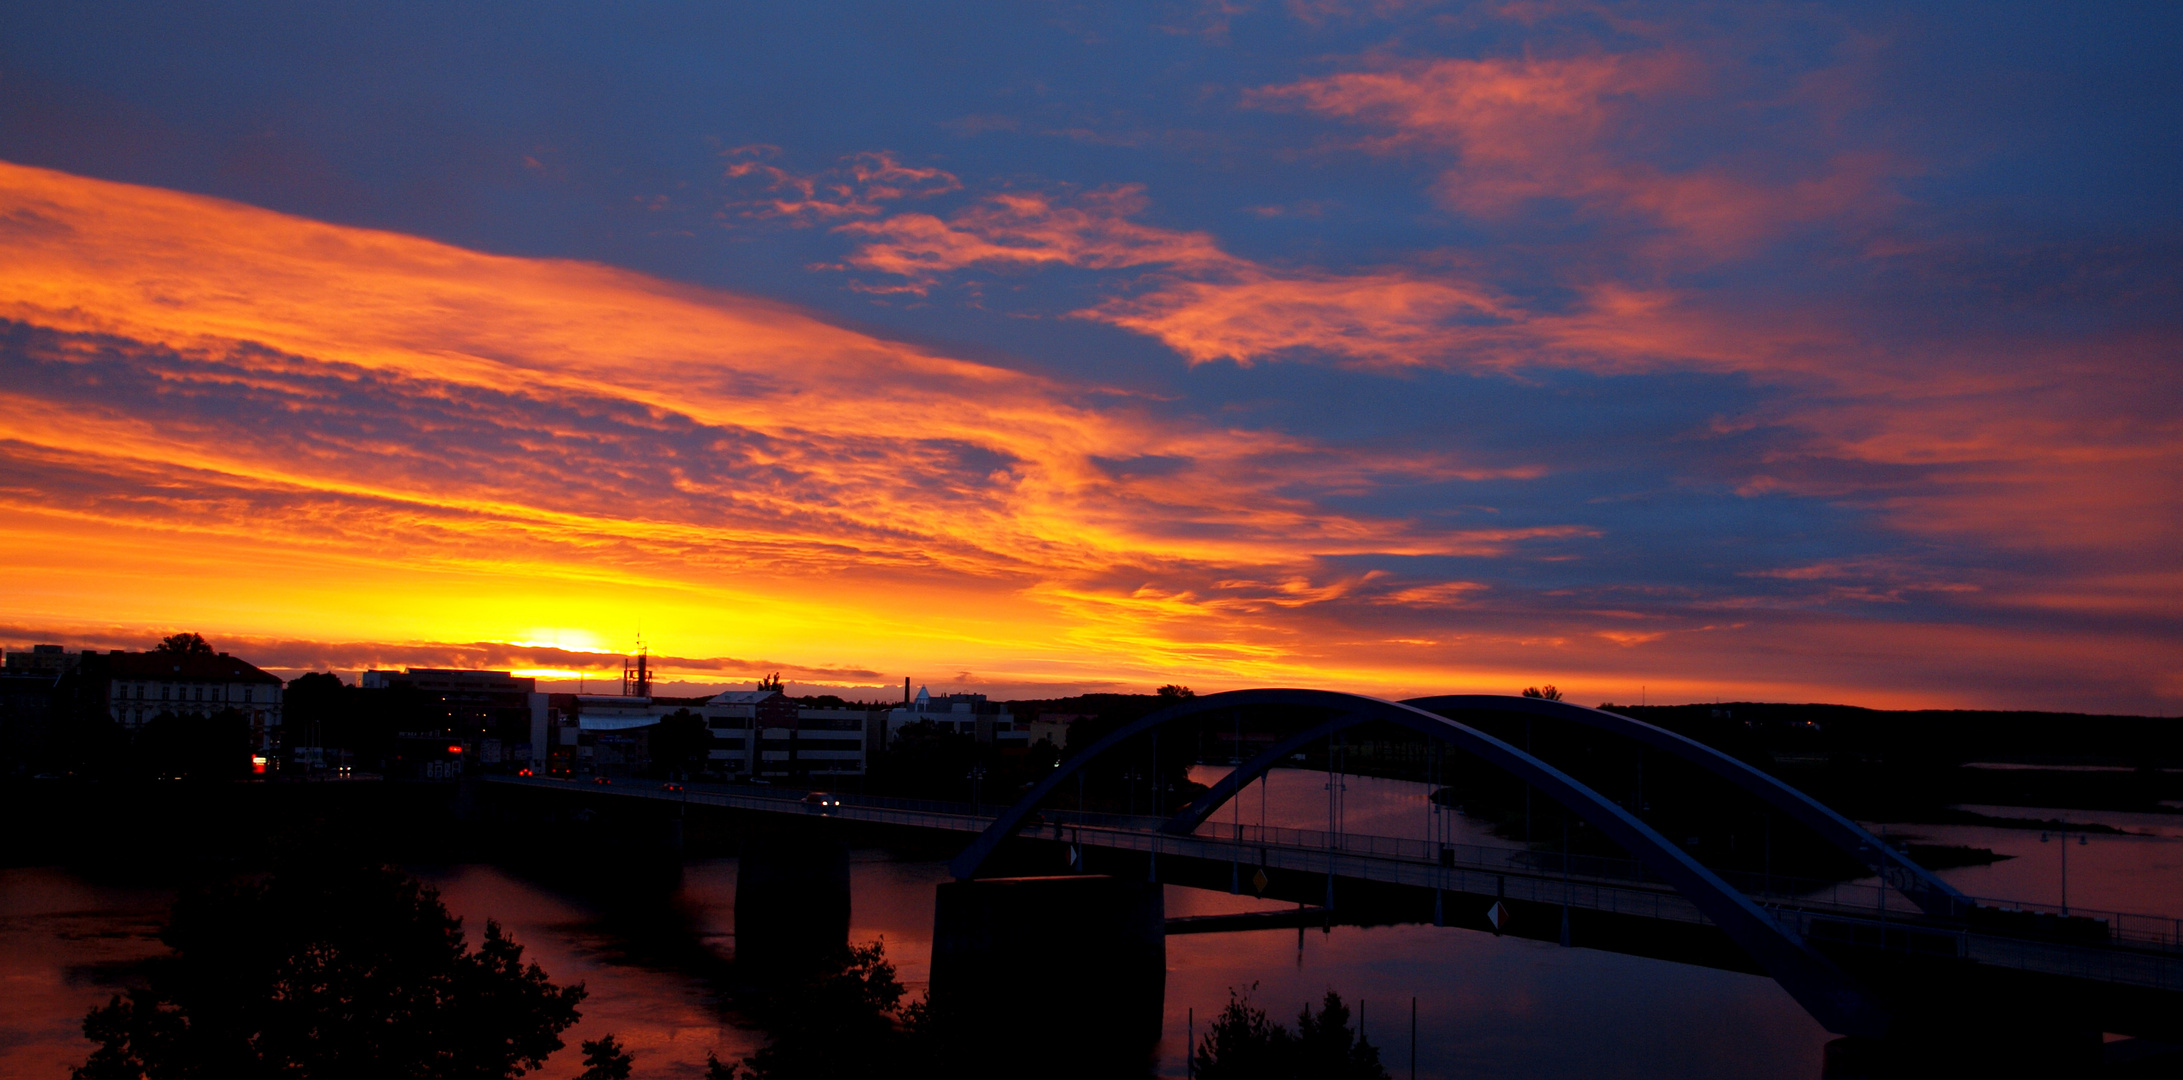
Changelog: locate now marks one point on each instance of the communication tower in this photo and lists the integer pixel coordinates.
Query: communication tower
(637, 672)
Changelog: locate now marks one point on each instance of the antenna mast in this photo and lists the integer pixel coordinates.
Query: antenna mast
(637, 672)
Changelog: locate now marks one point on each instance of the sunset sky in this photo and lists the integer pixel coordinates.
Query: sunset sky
(1787, 352)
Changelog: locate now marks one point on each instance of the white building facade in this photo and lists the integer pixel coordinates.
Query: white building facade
(140, 686)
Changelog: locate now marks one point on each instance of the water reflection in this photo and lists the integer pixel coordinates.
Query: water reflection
(1362, 805)
(654, 974)
(2133, 872)
(65, 944)
(2138, 870)
(1501, 1007)
(657, 965)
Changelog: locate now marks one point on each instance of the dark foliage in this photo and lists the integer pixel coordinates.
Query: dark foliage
(329, 972)
(1242, 1044)
(185, 644)
(88, 742)
(681, 744)
(606, 1059)
(841, 1020)
(215, 747)
(317, 709)
(1549, 692)
(1329, 1049)
(1146, 774)
(925, 762)
(1041, 757)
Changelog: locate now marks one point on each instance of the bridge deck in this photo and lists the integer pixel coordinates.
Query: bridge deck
(2142, 951)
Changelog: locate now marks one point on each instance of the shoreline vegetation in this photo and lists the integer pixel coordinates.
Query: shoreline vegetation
(331, 967)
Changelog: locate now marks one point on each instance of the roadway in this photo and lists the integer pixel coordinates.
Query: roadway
(2143, 952)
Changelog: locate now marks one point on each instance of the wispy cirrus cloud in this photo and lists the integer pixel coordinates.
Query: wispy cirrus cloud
(860, 185)
(1598, 132)
(1192, 295)
(1092, 230)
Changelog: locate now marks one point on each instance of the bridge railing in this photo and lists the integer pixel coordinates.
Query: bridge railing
(1858, 899)
(2160, 969)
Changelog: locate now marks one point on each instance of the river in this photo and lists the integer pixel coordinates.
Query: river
(1486, 1007)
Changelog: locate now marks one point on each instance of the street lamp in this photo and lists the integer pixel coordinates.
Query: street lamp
(977, 776)
(2082, 840)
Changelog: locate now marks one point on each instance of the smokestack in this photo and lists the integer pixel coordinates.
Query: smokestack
(905, 691)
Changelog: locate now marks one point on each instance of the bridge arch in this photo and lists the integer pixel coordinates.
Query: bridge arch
(1821, 988)
(1930, 893)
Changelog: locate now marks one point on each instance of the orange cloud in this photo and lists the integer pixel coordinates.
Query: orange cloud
(1207, 305)
(858, 187)
(354, 444)
(1524, 129)
(1018, 229)
(224, 415)
(1391, 318)
(1200, 301)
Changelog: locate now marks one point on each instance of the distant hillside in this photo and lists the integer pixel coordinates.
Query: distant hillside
(1959, 735)
(1874, 763)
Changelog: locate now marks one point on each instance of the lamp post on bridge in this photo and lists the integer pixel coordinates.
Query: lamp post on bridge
(2083, 839)
(976, 777)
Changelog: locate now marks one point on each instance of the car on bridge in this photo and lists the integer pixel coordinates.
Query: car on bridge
(820, 802)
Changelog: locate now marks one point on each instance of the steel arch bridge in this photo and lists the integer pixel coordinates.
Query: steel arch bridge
(1824, 990)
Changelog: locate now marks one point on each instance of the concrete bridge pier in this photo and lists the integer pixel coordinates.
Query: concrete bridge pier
(791, 901)
(1058, 975)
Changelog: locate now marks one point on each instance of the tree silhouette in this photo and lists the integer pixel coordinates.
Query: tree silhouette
(839, 1021)
(1172, 692)
(1242, 1044)
(185, 644)
(211, 747)
(606, 1059)
(681, 743)
(1329, 1049)
(1548, 692)
(333, 972)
